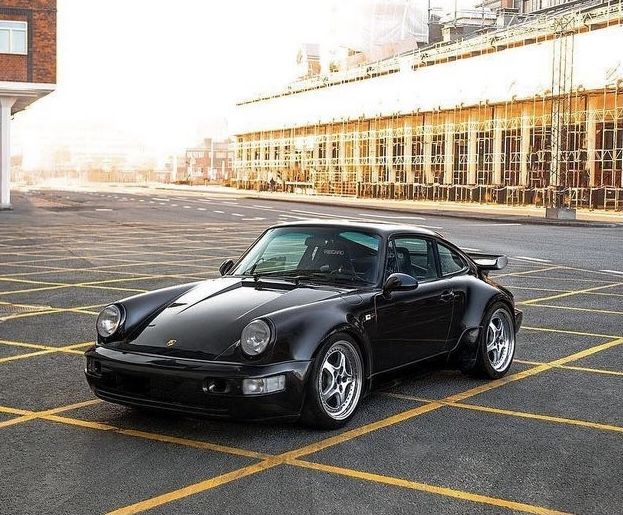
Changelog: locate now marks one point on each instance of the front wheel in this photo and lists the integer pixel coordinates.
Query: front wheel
(496, 349)
(335, 384)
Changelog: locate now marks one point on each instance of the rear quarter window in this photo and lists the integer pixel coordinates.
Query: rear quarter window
(450, 261)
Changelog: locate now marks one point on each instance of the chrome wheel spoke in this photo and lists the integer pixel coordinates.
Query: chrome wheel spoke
(331, 390)
(494, 330)
(341, 364)
(330, 369)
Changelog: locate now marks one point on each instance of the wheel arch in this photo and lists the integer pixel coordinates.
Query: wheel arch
(472, 324)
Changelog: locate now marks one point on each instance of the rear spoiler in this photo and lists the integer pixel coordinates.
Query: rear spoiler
(488, 262)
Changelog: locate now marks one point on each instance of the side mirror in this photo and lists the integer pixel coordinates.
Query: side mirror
(226, 266)
(399, 282)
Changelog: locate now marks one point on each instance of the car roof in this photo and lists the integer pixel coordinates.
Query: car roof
(376, 227)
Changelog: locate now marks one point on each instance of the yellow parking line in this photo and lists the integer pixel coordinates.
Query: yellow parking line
(198, 487)
(27, 415)
(66, 286)
(25, 356)
(353, 433)
(571, 293)
(197, 444)
(84, 311)
(564, 331)
(31, 314)
(423, 487)
(528, 272)
(520, 414)
(17, 420)
(552, 290)
(29, 290)
(571, 308)
(579, 369)
(43, 349)
(14, 411)
(27, 306)
(26, 281)
(538, 289)
(564, 279)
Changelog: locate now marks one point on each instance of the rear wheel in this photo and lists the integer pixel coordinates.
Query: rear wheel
(496, 349)
(335, 385)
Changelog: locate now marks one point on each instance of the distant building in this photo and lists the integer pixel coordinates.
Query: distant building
(526, 6)
(210, 161)
(308, 60)
(523, 108)
(27, 68)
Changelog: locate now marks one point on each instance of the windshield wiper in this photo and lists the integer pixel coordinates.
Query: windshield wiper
(312, 275)
(279, 274)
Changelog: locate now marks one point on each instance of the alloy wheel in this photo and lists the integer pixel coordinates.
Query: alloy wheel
(500, 340)
(340, 380)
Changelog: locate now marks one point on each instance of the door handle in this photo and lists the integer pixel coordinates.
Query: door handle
(447, 296)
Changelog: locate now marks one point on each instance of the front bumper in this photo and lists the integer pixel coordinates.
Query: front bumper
(193, 386)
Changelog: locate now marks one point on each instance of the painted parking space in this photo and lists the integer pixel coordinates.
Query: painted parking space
(429, 439)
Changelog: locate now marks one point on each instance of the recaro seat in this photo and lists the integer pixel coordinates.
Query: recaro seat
(334, 257)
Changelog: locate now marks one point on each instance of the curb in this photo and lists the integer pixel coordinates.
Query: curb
(443, 213)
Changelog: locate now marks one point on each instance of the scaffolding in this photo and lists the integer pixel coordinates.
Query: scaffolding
(563, 147)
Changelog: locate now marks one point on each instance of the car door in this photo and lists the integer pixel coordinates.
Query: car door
(455, 272)
(412, 325)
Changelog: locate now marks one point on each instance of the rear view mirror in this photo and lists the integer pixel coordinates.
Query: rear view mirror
(399, 282)
(226, 266)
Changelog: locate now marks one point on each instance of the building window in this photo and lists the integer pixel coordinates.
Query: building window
(417, 159)
(485, 157)
(461, 149)
(540, 157)
(398, 159)
(609, 154)
(13, 37)
(511, 157)
(438, 157)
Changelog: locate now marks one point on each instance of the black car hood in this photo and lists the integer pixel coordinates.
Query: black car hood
(209, 318)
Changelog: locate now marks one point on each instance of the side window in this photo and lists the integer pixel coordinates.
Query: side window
(449, 260)
(412, 256)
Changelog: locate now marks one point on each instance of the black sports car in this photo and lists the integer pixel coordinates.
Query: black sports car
(303, 322)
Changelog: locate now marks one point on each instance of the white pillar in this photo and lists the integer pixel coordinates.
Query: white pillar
(591, 144)
(389, 155)
(448, 173)
(428, 154)
(472, 149)
(408, 155)
(497, 148)
(6, 103)
(525, 146)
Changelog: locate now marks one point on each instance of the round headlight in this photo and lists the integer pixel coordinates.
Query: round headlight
(255, 337)
(108, 321)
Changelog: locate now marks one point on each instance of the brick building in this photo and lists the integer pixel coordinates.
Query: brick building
(27, 68)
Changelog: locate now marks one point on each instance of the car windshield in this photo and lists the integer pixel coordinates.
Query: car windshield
(333, 254)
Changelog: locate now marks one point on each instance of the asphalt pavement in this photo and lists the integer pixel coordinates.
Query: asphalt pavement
(545, 439)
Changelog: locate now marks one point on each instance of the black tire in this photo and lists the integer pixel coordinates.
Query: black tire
(482, 364)
(319, 414)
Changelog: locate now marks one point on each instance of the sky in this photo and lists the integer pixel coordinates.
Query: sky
(161, 75)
